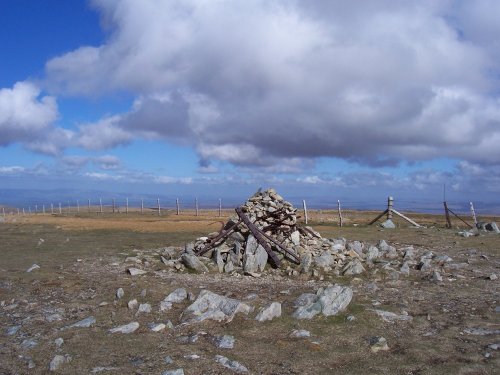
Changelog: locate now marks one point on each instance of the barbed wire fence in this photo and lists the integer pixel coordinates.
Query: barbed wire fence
(340, 212)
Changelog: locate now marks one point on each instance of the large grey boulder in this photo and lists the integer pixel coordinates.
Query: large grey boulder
(372, 253)
(306, 262)
(356, 246)
(492, 227)
(354, 267)
(213, 306)
(269, 312)
(255, 257)
(329, 301)
(192, 262)
(388, 224)
(325, 260)
(178, 295)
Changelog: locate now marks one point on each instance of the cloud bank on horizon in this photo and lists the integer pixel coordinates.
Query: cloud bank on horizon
(261, 84)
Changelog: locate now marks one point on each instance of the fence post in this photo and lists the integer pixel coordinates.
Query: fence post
(113, 205)
(100, 204)
(18, 212)
(36, 209)
(196, 205)
(24, 212)
(3, 212)
(390, 204)
(447, 215)
(142, 205)
(88, 201)
(341, 223)
(52, 208)
(473, 214)
(159, 207)
(43, 209)
(60, 208)
(177, 204)
(220, 207)
(305, 211)
(77, 206)
(126, 207)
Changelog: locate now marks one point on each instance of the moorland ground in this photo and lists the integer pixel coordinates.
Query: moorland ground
(82, 261)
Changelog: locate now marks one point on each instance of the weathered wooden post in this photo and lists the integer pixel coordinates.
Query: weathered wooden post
(142, 205)
(36, 209)
(100, 205)
(52, 208)
(113, 205)
(305, 211)
(43, 209)
(77, 206)
(177, 205)
(220, 207)
(340, 213)
(473, 214)
(3, 212)
(390, 204)
(447, 215)
(88, 201)
(196, 205)
(126, 207)
(159, 208)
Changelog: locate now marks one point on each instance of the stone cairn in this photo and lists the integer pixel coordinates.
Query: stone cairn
(265, 229)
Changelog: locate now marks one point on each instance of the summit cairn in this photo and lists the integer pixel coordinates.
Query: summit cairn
(265, 230)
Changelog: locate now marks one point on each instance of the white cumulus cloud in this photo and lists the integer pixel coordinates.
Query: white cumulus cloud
(257, 83)
(24, 113)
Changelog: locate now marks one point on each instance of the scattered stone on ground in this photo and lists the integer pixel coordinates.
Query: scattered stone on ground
(84, 323)
(482, 331)
(59, 341)
(269, 312)
(388, 224)
(328, 301)
(300, 333)
(213, 306)
(127, 328)
(120, 293)
(58, 361)
(157, 327)
(144, 308)
(390, 317)
(224, 341)
(136, 271)
(11, 331)
(33, 267)
(178, 371)
(232, 365)
(378, 343)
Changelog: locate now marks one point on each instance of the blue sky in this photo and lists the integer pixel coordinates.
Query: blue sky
(322, 100)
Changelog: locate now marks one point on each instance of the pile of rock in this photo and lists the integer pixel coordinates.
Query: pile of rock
(300, 249)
